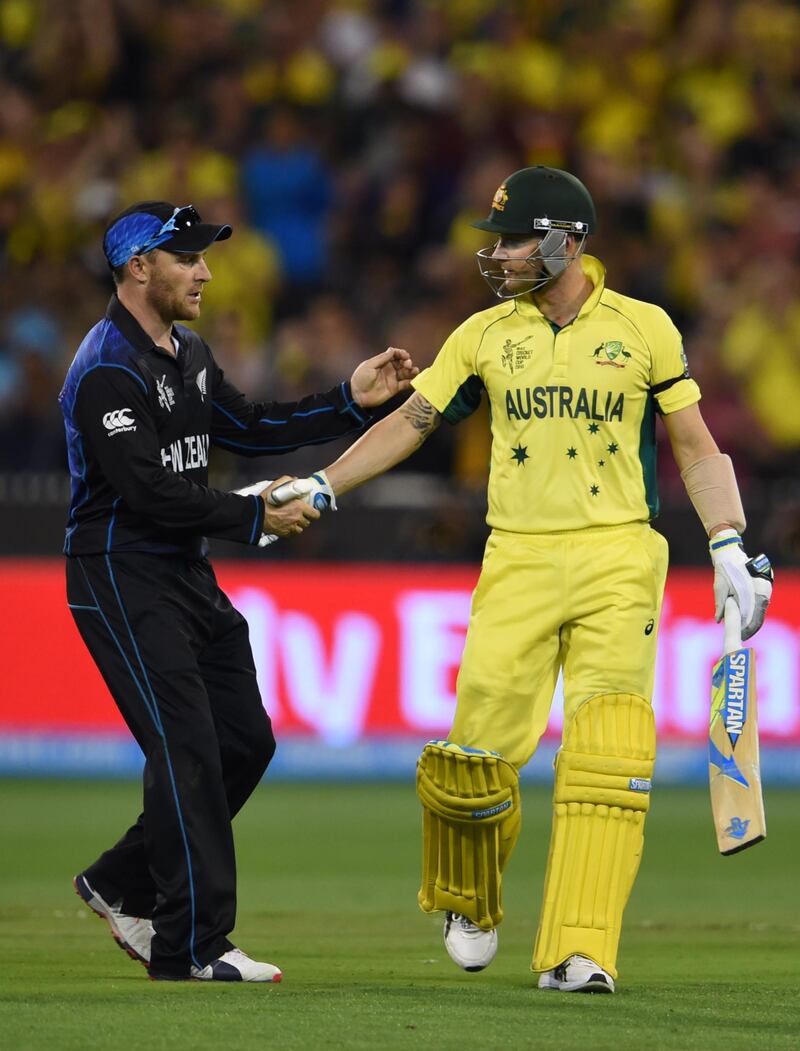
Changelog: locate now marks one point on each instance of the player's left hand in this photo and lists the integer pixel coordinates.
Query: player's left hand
(748, 581)
(380, 378)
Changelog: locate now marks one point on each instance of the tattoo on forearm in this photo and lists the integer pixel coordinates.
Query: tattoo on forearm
(421, 415)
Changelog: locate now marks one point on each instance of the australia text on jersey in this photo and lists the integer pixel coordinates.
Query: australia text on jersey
(541, 402)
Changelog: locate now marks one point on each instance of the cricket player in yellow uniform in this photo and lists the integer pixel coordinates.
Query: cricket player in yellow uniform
(572, 578)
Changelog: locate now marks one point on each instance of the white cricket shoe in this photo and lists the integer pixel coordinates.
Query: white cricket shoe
(131, 933)
(468, 945)
(236, 966)
(578, 974)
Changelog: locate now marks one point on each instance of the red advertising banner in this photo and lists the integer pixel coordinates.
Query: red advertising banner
(346, 652)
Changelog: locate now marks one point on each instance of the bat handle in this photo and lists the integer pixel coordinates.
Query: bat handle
(733, 626)
(297, 488)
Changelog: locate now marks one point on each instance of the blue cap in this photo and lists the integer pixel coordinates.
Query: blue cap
(158, 224)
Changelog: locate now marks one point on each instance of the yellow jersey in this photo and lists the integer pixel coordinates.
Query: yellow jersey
(572, 409)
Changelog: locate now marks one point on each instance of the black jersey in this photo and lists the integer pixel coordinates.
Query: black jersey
(139, 424)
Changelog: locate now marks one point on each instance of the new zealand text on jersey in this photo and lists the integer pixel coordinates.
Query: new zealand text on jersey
(186, 453)
(541, 402)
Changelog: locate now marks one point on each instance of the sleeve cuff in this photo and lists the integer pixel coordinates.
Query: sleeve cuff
(255, 535)
(679, 396)
(350, 406)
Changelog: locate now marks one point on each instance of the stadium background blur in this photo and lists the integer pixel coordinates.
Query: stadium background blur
(350, 144)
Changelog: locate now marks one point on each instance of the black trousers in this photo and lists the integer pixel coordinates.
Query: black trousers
(176, 657)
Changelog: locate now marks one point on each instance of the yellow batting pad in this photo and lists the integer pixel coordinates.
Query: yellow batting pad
(471, 821)
(601, 798)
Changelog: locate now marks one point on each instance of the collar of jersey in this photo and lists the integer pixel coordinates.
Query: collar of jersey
(130, 328)
(596, 273)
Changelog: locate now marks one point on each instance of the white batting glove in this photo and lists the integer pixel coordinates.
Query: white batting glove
(256, 489)
(748, 581)
(316, 490)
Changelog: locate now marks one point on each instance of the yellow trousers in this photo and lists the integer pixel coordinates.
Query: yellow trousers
(587, 602)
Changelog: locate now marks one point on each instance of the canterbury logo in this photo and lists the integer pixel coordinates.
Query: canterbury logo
(117, 421)
(117, 418)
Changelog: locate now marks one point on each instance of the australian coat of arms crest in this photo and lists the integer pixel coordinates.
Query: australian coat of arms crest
(612, 353)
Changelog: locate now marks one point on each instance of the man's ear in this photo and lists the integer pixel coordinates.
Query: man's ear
(137, 268)
(575, 245)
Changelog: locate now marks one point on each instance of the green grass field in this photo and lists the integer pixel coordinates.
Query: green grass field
(328, 878)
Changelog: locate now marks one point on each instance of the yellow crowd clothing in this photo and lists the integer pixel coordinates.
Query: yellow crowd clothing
(245, 281)
(751, 329)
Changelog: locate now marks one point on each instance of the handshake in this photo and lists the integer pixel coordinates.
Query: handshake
(313, 492)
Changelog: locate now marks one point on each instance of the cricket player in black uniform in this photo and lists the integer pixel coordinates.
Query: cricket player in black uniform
(143, 400)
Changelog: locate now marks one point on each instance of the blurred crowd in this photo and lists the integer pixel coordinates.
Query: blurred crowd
(350, 143)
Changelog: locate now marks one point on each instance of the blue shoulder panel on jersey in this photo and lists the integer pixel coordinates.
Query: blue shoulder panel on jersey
(104, 346)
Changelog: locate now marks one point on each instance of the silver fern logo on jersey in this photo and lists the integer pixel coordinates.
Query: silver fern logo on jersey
(201, 383)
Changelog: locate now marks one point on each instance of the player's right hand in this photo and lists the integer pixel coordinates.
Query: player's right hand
(748, 581)
(287, 518)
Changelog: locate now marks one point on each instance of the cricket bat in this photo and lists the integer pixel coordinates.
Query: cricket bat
(734, 773)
